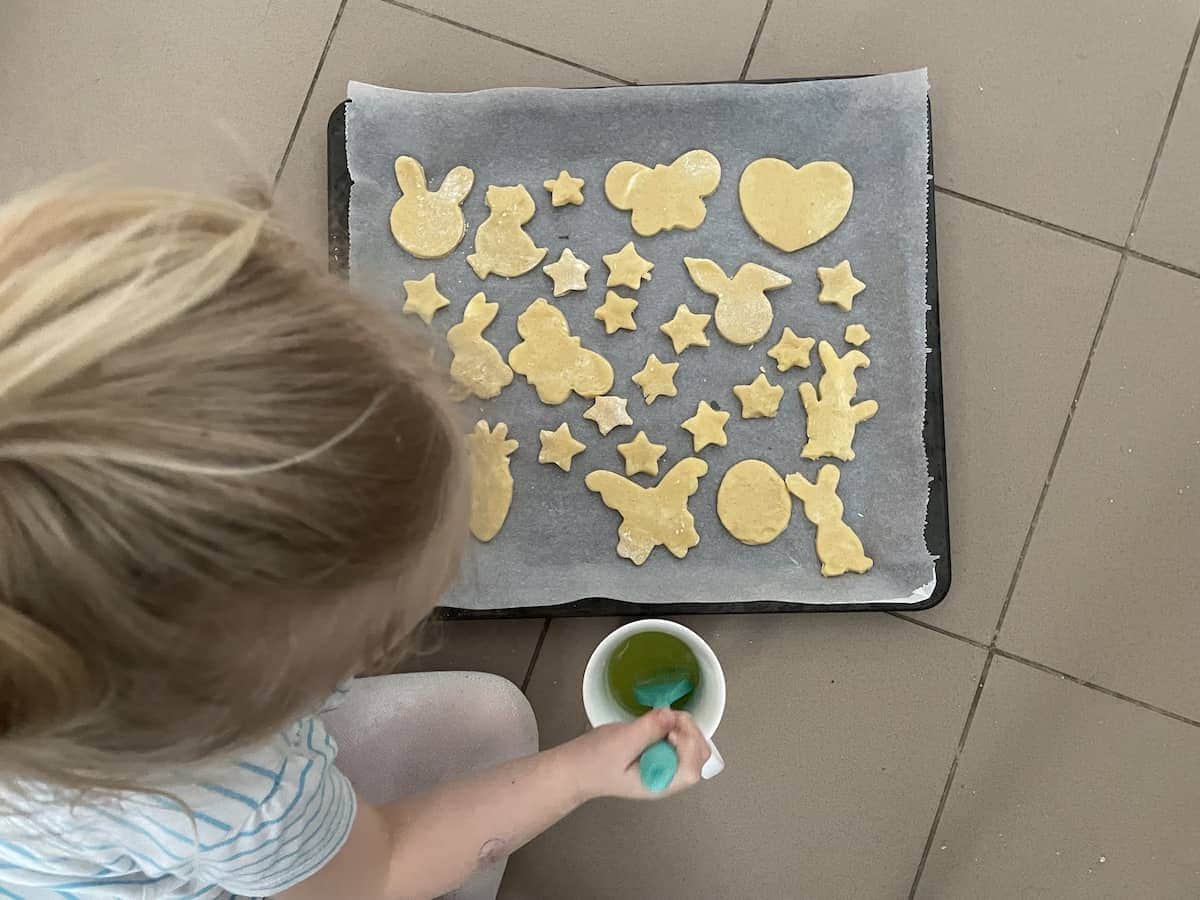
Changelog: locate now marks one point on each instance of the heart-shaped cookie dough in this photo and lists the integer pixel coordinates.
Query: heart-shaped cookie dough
(792, 208)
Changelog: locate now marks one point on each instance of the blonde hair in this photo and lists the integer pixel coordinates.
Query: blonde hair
(207, 447)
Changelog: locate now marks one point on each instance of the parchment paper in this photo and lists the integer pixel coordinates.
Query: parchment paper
(559, 542)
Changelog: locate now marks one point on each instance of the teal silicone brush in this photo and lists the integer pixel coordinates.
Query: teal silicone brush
(659, 761)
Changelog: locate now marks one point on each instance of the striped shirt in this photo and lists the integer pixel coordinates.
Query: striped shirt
(257, 825)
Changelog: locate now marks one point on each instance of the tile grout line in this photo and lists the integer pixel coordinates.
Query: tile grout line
(537, 651)
(287, 151)
(945, 632)
(1031, 220)
(399, 4)
(762, 23)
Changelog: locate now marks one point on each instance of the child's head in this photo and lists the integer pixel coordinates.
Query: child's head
(225, 482)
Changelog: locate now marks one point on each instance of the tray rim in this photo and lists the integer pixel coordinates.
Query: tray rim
(937, 518)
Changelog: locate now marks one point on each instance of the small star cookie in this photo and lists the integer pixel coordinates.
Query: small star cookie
(617, 313)
(857, 335)
(626, 268)
(564, 189)
(608, 412)
(657, 379)
(559, 447)
(686, 329)
(760, 399)
(838, 285)
(422, 298)
(641, 456)
(792, 351)
(707, 427)
(568, 274)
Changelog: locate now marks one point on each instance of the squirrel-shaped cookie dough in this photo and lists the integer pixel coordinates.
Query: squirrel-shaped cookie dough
(833, 419)
(652, 516)
(477, 367)
(664, 197)
(429, 224)
(501, 244)
(838, 547)
(553, 360)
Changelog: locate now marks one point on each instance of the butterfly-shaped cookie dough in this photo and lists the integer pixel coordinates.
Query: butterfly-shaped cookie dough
(652, 516)
(665, 197)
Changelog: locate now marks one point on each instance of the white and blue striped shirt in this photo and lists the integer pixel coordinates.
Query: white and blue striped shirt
(257, 825)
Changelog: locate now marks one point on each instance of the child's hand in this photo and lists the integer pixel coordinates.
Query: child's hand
(605, 760)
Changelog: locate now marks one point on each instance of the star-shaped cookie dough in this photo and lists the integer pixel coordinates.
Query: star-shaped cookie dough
(559, 447)
(792, 351)
(568, 274)
(564, 189)
(641, 456)
(838, 285)
(686, 329)
(760, 399)
(857, 335)
(422, 298)
(617, 313)
(608, 412)
(707, 427)
(626, 268)
(657, 379)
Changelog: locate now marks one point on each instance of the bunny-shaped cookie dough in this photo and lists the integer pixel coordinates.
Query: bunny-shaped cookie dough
(833, 419)
(477, 367)
(429, 224)
(553, 360)
(838, 547)
(501, 244)
(743, 314)
(664, 197)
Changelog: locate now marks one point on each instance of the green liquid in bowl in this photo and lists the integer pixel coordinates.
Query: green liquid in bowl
(646, 656)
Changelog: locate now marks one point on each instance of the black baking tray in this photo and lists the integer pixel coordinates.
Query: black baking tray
(937, 522)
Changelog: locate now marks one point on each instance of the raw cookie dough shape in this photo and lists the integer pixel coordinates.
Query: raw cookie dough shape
(429, 224)
(832, 419)
(686, 329)
(857, 335)
(665, 197)
(553, 360)
(608, 412)
(838, 285)
(707, 427)
(743, 312)
(568, 274)
(477, 367)
(564, 189)
(792, 351)
(627, 268)
(753, 502)
(792, 208)
(838, 547)
(559, 447)
(641, 455)
(656, 379)
(760, 399)
(501, 245)
(423, 299)
(491, 480)
(617, 312)
(652, 516)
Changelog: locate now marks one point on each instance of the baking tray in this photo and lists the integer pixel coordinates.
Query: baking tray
(937, 531)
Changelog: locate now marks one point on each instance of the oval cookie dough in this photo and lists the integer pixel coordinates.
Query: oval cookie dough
(753, 502)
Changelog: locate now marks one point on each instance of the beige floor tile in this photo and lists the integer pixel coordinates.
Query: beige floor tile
(1050, 109)
(180, 93)
(1109, 588)
(838, 736)
(501, 646)
(671, 40)
(1019, 306)
(1064, 792)
(1170, 226)
(435, 57)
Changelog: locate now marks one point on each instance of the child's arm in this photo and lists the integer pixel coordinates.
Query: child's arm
(430, 843)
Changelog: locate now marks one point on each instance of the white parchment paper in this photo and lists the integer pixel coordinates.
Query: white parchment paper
(559, 542)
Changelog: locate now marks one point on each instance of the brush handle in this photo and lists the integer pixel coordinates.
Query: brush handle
(658, 765)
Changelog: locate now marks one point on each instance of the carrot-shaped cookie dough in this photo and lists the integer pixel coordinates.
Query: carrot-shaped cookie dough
(491, 481)
(429, 224)
(553, 360)
(833, 418)
(664, 197)
(753, 503)
(652, 516)
(501, 245)
(792, 208)
(743, 314)
(838, 547)
(477, 367)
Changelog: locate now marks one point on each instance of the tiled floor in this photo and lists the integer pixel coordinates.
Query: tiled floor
(1037, 734)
